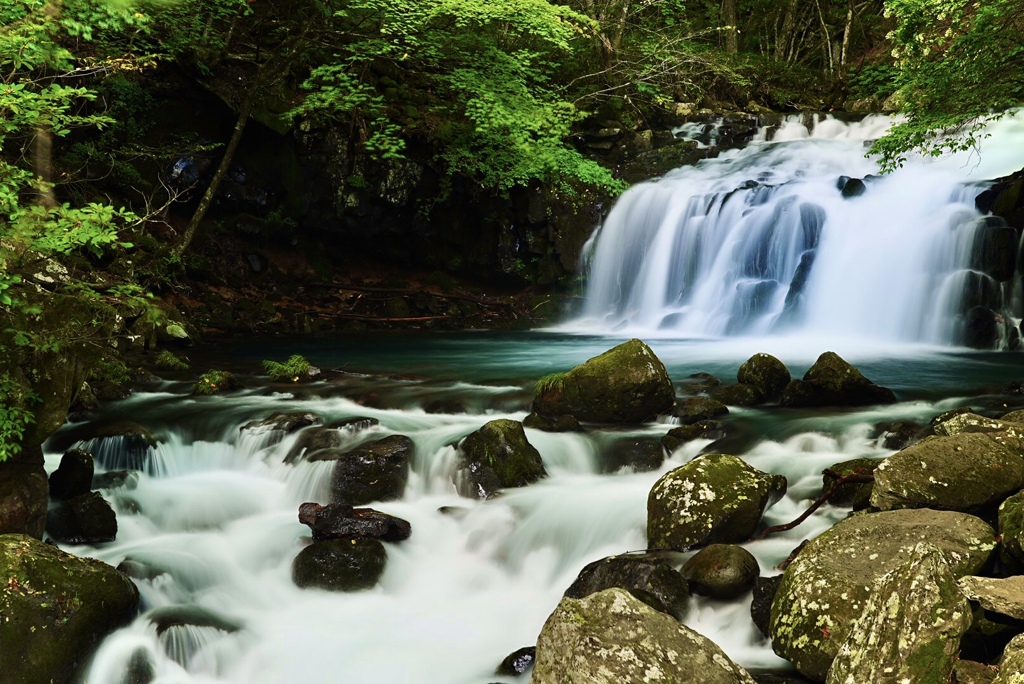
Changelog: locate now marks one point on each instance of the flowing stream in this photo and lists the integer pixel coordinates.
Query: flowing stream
(701, 264)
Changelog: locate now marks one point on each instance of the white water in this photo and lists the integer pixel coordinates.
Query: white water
(715, 249)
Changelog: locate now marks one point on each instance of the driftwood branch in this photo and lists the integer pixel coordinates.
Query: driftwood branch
(840, 480)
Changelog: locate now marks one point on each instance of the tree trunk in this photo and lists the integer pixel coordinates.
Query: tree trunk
(786, 34)
(729, 16)
(847, 30)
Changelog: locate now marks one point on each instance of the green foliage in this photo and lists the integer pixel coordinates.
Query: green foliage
(170, 361)
(214, 382)
(14, 416)
(873, 80)
(111, 369)
(549, 383)
(296, 368)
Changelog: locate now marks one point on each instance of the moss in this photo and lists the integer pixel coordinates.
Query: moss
(215, 382)
(170, 361)
(549, 383)
(296, 368)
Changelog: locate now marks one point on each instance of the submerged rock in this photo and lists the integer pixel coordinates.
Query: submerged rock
(909, 629)
(721, 571)
(713, 498)
(377, 471)
(705, 429)
(497, 456)
(73, 477)
(831, 381)
(626, 384)
(765, 373)
(56, 608)
(642, 454)
(827, 585)
(85, 519)
(340, 565)
(963, 472)
(648, 576)
(564, 423)
(612, 638)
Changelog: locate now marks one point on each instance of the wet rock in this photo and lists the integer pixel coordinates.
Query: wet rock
(564, 423)
(73, 477)
(963, 472)
(699, 382)
(85, 519)
(517, 662)
(377, 471)
(981, 328)
(116, 479)
(715, 498)
(1011, 665)
(1002, 596)
(767, 374)
(286, 423)
(626, 384)
(139, 669)
(971, 672)
(968, 421)
(737, 394)
(1013, 416)
(341, 521)
(899, 434)
(340, 565)
(909, 629)
(650, 577)
(446, 406)
(995, 248)
(698, 409)
(612, 638)
(169, 617)
(120, 445)
(705, 429)
(642, 454)
(56, 609)
(1011, 530)
(761, 605)
(831, 381)
(854, 494)
(827, 585)
(851, 187)
(721, 571)
(320, 437)
(497, 456)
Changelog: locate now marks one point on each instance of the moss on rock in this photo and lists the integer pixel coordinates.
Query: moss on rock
(766, 373)
(497, 456)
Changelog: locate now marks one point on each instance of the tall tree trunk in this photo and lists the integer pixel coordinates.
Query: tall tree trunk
(847, 30)
(825, 39)
(729, 16)
(786, 34)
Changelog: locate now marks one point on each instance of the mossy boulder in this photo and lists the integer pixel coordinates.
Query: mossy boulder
(340, 565)
(1003, 596)
(967, 421)
(611, 637)
(973, 672)
(715, 498)
(831, 381)
(699, 409)
(497, 456)
(765, 373)
(737, 394)
(1011, 530)
(85, 519)
(649, 577)
(56, 608)
(828, 584)
(963, 472)
(73, 477)
(1011, 665)
(909, 629)
(626, 384)
(721, 571)
(855, 494)
(377, 471)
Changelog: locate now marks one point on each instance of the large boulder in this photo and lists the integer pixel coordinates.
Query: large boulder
(827, 585)
(1002, 596)
(956, 422)
(766, 373)
(854, 494)
(377, 471)
(963, 472)
(497, 456)
(85, 519)
(611, 637)
(340, 565)
(1011, 665)
(56, 608)
(73, 477)
(626, 384)
(910, 628)
(699, 409)
(715, 498)
(831, 381)
(649, 577)
(721, 571)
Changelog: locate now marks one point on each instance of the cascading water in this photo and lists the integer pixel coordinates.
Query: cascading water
(776, 238)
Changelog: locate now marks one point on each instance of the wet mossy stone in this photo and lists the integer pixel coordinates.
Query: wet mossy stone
(565, 423)
(962, 472)
(761, 604)
(1011, 664)
(831, 381)
(854, 494)
(737, 394)
(721, 571)
(73, 477)
(517, 662)
(1013, 417)
(650, 577)
(611, 637)
(85, 519)
(285, 422)
(23, 492)
(699, 409)
(715, 498)
(377, 471)
(899, 434)
(626, 384)
(827, 585)
(641, 454)
(765, 373)
(705, 429)
(909, 629)
(973, 672)
(312, 440)
(340, 565)
(497, 456)
(56, 608)
(1011, 531)
(699, 382)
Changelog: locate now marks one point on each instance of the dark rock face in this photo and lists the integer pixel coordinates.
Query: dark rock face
(340, 565)
(497, 456)
(855, 494)
(981, 328)
(761, 606)
(626, 384)
(994, 251)
(705, 429)
(899, 434)
(23, 490)
(85, 519)
(73, 476)
(564, 423)
(1011, 530)
(649, 577)
(698, 409)
(851, 187)
(517, 662)
(341, 521)
(286, 422)
(765, 373)
(721, 571)
(639, 453)
(699, 382)
(116, 479)
(831, 381)
(377, 471)
(330, 436)
(56, 609)
(121, 445)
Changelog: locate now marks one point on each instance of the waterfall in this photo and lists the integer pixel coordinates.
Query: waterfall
(797, 233)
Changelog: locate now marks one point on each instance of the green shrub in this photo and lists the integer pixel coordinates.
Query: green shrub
(215, 382)
(296, 368)
(168, 360)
